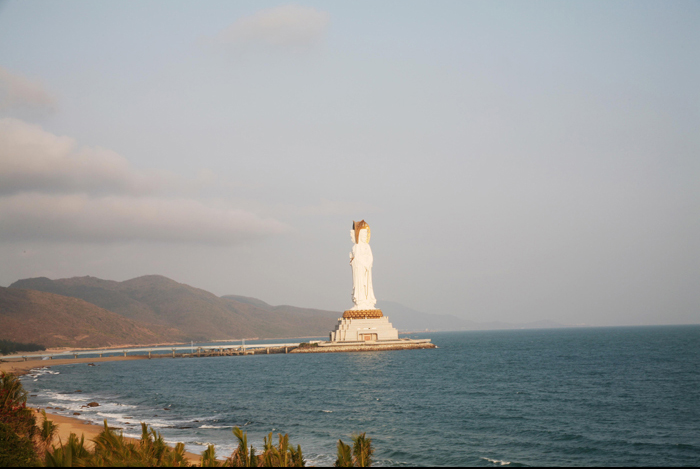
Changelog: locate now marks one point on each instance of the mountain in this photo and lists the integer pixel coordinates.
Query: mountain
(196, 313)
(407, 319)
(251, 301)
(286, 309)
(59, 321)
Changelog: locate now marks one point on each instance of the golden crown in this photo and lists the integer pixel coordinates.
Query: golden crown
(357, 226)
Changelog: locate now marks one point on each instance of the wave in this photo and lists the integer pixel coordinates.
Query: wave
(65, 397)
(36, 372)
(497, 461)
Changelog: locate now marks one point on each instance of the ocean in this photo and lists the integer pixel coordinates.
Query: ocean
(574, 397)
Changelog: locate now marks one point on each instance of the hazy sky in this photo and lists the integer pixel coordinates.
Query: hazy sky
(516, 161)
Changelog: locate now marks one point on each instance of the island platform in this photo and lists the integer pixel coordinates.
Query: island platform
(364, 346)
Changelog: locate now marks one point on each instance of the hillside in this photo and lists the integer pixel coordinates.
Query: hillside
(59, 321)
(293, 310)
(198, 314)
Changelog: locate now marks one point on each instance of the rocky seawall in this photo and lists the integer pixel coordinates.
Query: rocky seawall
(363, 348)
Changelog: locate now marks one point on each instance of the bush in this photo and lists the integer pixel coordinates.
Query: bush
(14, 450)
(307, 344)
(13, 406)
(361, 455)
(7, 347)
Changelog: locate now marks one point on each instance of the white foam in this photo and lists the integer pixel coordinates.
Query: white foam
(121, 418)
(38, 372)
(63, 405)
(115, 404)
(497, 461)
(215, 426)
(158, 423)
(222, 450)
(66, 397)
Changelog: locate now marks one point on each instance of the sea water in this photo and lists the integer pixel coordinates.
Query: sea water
(593, 396)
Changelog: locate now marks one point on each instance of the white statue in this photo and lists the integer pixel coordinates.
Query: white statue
(361, 261)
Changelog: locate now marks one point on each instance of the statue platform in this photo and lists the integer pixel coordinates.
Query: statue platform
(365, 326)
(381, 346)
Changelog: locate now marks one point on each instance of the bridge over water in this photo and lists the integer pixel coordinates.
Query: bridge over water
(181, 350)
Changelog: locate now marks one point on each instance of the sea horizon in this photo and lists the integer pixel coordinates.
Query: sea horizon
(261, 341)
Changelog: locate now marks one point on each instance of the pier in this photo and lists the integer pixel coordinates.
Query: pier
(199, 351)
(179, 351)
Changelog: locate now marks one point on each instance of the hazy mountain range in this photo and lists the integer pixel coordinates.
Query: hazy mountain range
(59, 321)
(407, 319)
(194, 313)
(91, 312)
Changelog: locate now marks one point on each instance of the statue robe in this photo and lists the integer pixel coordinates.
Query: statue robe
(362, 291)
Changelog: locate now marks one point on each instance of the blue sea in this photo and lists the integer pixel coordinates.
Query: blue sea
(583, 397)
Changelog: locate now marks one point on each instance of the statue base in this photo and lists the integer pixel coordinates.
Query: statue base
(368, 325)
(362, 314)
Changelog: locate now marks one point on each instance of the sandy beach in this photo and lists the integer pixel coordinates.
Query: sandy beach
(68, 425)
(20, 367)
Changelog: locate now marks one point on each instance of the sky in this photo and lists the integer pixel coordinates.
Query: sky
(516, 161)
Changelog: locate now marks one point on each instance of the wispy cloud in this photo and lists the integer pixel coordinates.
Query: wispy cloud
(291, 26)
(32, 159)
(81, 218)
(53, 190)
(18, 93)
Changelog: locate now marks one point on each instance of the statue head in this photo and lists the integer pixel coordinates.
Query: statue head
(360, 231)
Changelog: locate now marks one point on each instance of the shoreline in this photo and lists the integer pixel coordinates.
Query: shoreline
(67, 424)
(22, 368)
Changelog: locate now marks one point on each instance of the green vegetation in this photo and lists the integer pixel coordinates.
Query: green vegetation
(359, 456)
(307, 344)
(17, 425)
(112, 449)
(7, 347)
(13, 407)
(344, 455)
(24, 443)
(15, 450)
(72, 454)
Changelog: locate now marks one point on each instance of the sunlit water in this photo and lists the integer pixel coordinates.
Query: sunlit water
(614, 396)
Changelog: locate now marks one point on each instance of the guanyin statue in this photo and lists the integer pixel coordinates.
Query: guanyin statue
(361, 261)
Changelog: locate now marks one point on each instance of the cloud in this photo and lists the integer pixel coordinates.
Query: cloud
(53, 190)
(81, 218)
(20, 93)
(32, 159)
(284, 26)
